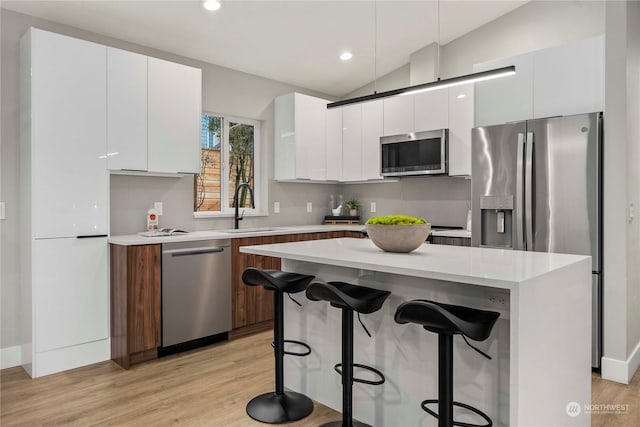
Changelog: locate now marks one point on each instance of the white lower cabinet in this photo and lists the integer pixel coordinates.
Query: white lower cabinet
(70, 292)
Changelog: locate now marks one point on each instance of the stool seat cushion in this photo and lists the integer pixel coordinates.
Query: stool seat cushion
(276, 280)
(344, 295)
(448, 319)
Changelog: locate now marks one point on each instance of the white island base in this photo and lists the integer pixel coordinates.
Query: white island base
(540, 345)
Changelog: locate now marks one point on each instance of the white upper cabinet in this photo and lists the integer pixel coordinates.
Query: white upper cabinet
(505, 99)
(558, 81)
(299, 137)
(68, 135)
(372, 123)
(352, 143)
(333, 144)
(310, 115)
(460, 125)
(173, 110)
(126, 110)
(569, 79)
(431, 110)
(398, 115)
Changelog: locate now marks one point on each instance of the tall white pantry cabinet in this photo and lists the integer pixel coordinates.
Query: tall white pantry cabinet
(64, 203)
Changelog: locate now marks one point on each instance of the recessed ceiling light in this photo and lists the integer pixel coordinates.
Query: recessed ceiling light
(345, 56)
(462, 95)
(211, 4)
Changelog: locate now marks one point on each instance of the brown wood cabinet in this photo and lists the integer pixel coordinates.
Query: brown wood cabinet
(135, 303)
(455, 241)
(254, 304)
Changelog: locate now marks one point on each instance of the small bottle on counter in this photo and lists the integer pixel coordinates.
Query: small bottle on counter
(340, 204)
(152, 220)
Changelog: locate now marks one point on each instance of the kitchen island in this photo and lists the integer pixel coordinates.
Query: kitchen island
(540, 345)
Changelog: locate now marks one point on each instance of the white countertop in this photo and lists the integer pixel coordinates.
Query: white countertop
(452, 233)
(135, 239)
(480, 266)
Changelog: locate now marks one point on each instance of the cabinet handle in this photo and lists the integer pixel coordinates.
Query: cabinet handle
(90, 236)
(194, 251)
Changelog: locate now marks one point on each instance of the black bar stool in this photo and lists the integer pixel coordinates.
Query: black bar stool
(281, 406)
(448, 320)
(349, 298)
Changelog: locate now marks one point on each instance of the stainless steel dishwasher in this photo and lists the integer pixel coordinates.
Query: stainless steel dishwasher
(196, 294)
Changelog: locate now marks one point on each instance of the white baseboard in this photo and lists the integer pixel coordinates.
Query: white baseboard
(621, 371)
(10, 357)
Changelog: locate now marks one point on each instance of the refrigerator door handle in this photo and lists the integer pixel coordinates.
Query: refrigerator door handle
(528, 193)
(519, 237)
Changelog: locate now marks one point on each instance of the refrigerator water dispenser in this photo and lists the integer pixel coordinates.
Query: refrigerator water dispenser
(496, 218)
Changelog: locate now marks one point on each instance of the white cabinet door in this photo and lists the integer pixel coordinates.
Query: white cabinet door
(352, 143)
(398, 115)
(174, 109)
(70, 291)
(569, 79)
(310, 137)
(460, 125)
(372, 118)
(68, 136)
(284, 137)
(126, 110)
(333, 143)
(506, 99)
(431, 110)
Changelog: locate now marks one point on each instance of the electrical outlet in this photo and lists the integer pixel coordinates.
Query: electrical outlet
(373, 207)
(632, 212)
(309, 207)
(158, 207)
(498, 299)
(276, 207)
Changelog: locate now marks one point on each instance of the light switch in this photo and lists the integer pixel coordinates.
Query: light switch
(276, 207)
(3, 213)
(309, 207)
(373, 207)
(158, 207)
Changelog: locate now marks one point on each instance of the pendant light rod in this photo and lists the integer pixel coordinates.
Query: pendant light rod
(439, 84)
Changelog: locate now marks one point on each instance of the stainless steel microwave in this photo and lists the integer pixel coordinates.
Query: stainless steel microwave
(417, 153)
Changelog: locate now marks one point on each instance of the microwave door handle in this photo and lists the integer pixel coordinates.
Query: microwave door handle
(519, 237)
(528, 192)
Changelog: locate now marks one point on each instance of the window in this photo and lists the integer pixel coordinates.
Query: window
(229, 147)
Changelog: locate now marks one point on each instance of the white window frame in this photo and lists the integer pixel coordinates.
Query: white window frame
(258, 186)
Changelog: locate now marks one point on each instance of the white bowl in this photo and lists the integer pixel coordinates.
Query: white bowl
(398, 238)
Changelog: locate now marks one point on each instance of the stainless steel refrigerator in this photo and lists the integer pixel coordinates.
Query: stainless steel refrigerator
(537, 186)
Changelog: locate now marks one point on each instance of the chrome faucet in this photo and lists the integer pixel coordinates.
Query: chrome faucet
(236, 202)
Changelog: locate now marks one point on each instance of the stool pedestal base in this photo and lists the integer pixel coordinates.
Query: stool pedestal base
(272, 408)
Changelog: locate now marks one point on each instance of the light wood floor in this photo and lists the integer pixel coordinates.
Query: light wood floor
(206, 387)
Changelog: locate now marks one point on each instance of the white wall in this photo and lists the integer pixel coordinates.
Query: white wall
(621, 188)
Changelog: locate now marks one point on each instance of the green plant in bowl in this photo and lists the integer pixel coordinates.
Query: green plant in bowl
(396, 220)
(397, 233)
